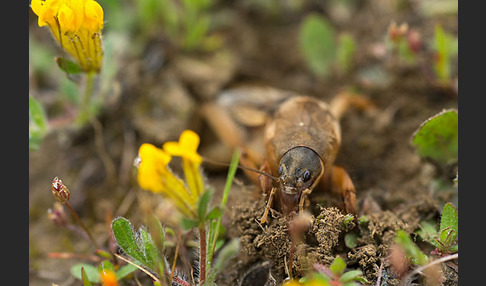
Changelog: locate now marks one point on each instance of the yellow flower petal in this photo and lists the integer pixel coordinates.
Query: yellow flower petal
(150, 152)
(45, 10)
(71, 15)
(189, 140)
(154, 175)
(93, 16)
(37, 6)
(66, 19)
(186, 147)
(152, 162)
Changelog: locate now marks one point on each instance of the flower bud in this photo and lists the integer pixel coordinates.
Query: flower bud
(60, 191)
(397, 33)
(57, 215)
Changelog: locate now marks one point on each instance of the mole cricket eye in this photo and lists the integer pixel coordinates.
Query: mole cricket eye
(280, 170)
(306, 176)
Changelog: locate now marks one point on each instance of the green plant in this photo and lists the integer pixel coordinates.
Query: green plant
(334, 275)
(403, 43)
(445, 48)
(186, 23)
(426, 265)
(38, 125)
(147, 249)
(91, 274)
(322, 50)
(445, 238)
(411, 250)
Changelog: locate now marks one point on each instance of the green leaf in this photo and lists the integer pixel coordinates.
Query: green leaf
(106, 265)
(188, 224)
(37, 114)
(37, 123)
(91, 272)
(351, 239)
(449, 223)
(125, 237)
(225, 255)
(410, 248)
(152, 255)
(346, 49)
(428, 231)
(437, 137)
(338, 266)
(317, 44)
(350, 276)
(84, 278)
(203, 204)
(214, 213)
(157, 233)
(125, 270)
(68, 66)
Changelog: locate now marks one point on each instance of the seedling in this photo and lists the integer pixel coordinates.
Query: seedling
(445, 48)
(334, 275)
(322, 49)
(445, 239)
(147, 249)
(403, 43)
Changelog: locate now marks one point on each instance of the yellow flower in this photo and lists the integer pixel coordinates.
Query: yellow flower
(154, 175)
(76, 25)
(186, 148)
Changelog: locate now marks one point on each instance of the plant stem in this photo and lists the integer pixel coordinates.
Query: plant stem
(202, 254)
(85, 111)
(81, 224)
(229, 180)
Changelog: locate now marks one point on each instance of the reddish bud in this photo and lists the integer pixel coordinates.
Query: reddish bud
(414, 41)
(60, 191)
(57, 215)
(396, 33)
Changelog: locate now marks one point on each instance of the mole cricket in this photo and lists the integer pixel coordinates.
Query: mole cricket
(293, 140)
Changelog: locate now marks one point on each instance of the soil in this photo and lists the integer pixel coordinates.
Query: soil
(396, 189)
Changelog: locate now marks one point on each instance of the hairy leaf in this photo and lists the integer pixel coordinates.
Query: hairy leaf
(125, 237)
(437, 137)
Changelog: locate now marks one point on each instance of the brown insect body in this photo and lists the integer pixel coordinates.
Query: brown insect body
(295, 139)
(302, 136)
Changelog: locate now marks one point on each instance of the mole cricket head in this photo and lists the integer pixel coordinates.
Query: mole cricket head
(300, 168)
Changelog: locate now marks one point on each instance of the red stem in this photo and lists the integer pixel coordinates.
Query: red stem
(202, 255)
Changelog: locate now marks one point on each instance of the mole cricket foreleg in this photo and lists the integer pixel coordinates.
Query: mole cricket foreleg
(269, 205)
(303, 196)
(340, 184)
